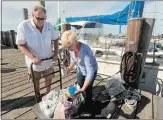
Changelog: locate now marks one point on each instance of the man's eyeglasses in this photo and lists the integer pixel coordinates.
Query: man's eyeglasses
(40, 18)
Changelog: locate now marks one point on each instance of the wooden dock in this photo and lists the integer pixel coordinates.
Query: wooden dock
(17, 93)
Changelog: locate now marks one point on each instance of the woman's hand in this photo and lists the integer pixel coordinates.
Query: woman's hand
(79, 91)
(70, 67)
(68, 70)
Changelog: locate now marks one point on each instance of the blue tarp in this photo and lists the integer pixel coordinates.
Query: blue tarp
(133, 10)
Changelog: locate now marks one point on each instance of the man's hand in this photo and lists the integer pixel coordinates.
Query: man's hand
(36, 61)
(28, 53)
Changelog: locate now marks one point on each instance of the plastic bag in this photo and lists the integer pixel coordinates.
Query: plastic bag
(114, 85)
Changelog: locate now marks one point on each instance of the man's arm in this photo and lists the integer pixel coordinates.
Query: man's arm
(22, 44)
(28, 53)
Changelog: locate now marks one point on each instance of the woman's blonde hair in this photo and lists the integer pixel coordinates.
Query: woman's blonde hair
(68, 38)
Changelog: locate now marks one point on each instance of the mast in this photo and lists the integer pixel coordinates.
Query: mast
(59, 17)
(58, 9)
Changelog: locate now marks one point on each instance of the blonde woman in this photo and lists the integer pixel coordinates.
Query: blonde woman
(83, 58)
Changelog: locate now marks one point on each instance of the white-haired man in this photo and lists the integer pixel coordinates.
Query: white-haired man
(34, 39)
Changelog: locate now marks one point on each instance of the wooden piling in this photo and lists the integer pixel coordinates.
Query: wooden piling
(42, 2)
(13, 37)
(66, 27)
(139, 32)
(25, 12)
(134, 34)
(11, 44)
(7, 38)
(2, 38)
(145, 40)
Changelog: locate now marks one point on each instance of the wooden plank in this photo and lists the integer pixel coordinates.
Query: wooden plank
(126, 113)
(26, 89)
(19, 84)
(12, 103)
(15, 81)
(158, 107)
(13, 114)
(13, 74)
(23, 87)
(17, 92)
(14, 58)
(13, 77)
(21, 109)
(145, 108)
(28, 115)
(16, 77)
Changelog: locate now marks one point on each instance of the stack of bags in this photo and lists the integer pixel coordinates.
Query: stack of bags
(63, 104)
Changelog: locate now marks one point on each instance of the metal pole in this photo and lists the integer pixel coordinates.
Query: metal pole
(154, 52)
(58, 9)
(59, 17)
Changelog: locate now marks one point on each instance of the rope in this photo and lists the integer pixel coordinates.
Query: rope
(121, 68)
(131, 73)
(131, 99)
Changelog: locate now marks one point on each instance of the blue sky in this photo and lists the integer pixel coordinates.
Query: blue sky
(12, 12)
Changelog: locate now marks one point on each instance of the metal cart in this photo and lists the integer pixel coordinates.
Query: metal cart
(34, 79)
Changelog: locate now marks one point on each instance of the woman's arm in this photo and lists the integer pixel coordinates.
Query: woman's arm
(89, 68)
